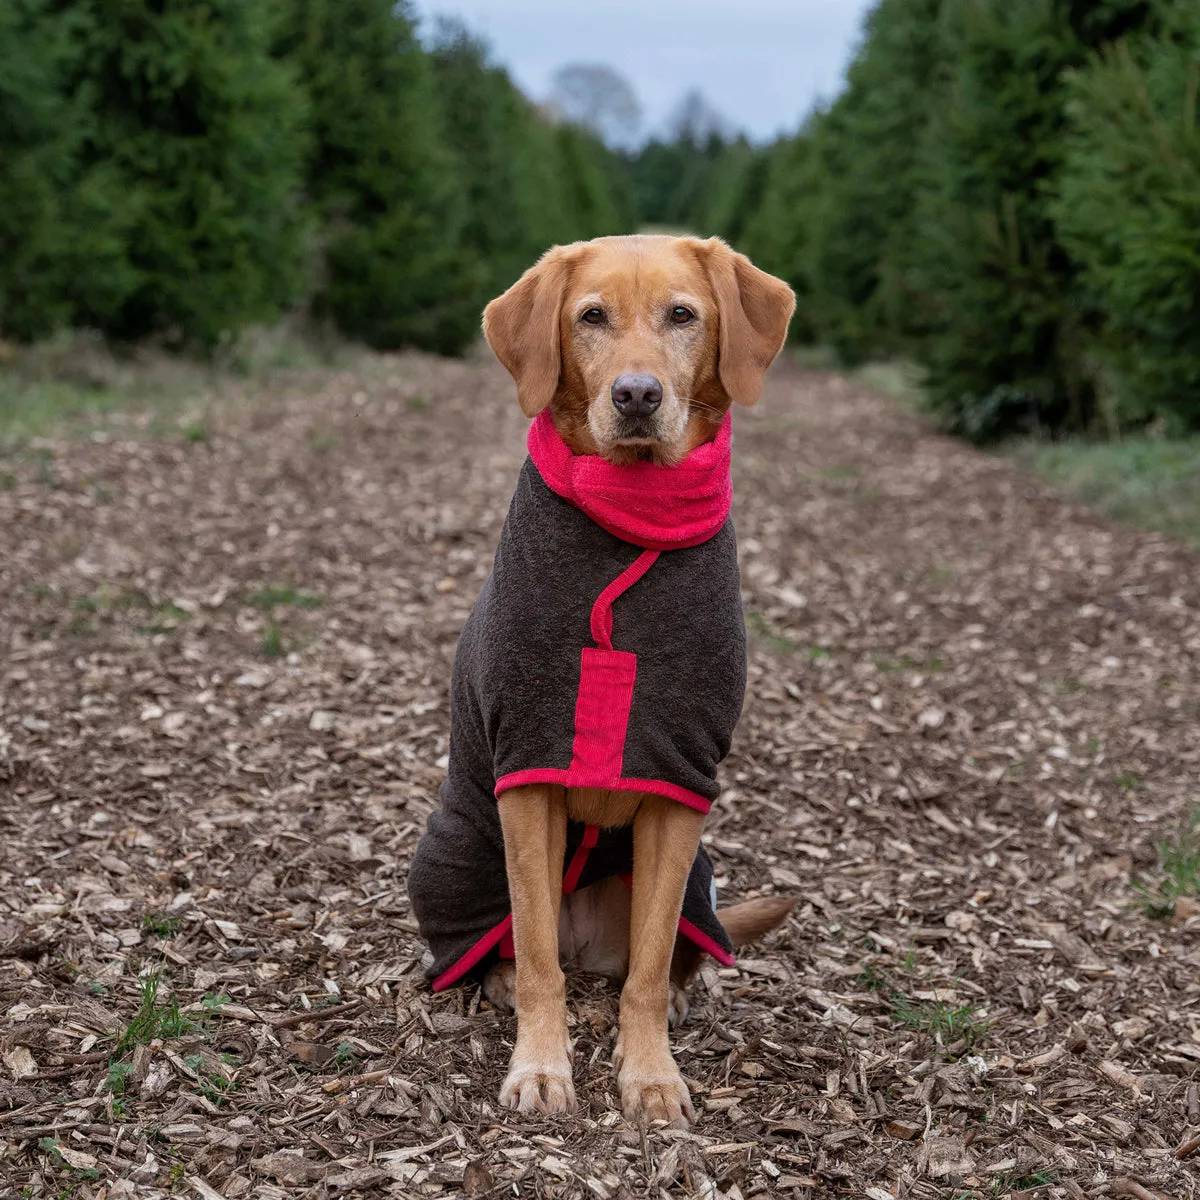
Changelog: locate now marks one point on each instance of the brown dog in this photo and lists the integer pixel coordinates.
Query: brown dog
(638, 345)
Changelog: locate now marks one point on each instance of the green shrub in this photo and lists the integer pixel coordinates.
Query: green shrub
(203, 132)
(63, 224)
(869, 173)
(1128, 208)
(384, 187)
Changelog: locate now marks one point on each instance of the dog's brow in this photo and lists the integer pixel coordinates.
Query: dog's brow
(592, 300)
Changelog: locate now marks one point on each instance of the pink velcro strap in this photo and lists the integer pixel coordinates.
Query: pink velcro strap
(606, 679)
(591, 835)
(602, 609)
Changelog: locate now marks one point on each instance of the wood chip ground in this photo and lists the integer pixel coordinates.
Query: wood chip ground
(972, 715)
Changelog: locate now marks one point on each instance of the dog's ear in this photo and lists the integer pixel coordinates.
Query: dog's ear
(521, 327)
(754, 310)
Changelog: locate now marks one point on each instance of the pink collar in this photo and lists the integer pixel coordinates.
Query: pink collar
(660, 508)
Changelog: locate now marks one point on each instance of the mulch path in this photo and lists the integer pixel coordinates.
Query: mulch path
(972, 715)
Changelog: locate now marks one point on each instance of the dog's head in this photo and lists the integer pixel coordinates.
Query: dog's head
(639, 344)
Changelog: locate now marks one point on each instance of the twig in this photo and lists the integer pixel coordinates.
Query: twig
(1128, 1187)
(314, 1015)
(1188, 1147)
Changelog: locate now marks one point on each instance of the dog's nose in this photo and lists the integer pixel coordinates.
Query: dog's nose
(636, 395)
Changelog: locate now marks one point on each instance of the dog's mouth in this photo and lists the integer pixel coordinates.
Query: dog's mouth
(637, 431)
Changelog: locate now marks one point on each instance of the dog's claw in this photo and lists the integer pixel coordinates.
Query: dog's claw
(645, 1101)
(538, 1090)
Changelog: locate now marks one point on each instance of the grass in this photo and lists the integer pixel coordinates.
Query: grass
(106, 604)
(274, 595)
(160, 925)
(1153, 483)
(273, 645)
(153, 1019)
(768, 634)
(1127, 781)
(1178, 869)
(1004, 1185)
(947, 1023)
(1150, 482)
(898, 380)
(74, 382)
(764, 630)
(906, 662)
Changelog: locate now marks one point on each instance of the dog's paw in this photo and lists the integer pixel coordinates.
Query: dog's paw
(538, 1088)
(500, 985)
(677, 1006)
(651, 1087)
(662, 1096)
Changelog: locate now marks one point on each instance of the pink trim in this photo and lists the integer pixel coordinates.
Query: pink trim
(659, 508)
(601, 621)
(656, 787)
(672, 791)
(490, 939)
(591, 835)
(705, 943)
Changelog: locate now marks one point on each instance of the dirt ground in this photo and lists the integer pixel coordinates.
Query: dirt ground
(972, 716)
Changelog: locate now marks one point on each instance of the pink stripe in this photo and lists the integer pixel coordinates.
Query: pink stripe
(705, 943)
(492, 938)
(591, 835)
(656, 787)
(606, 679)
(602, 609)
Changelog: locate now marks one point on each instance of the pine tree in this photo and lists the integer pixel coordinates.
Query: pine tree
(1128, 211)
(63, 227)
(202, 132)
(1007, 347)
(380, 178)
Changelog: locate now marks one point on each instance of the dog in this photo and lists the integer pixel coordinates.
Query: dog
(601, 673)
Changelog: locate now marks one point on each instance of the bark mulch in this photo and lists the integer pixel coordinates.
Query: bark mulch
(972, 717)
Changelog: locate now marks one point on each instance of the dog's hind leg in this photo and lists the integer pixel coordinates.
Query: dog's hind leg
(534, 820)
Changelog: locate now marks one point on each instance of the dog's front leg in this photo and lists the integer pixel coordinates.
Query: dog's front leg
(534, 821)
(665, 836)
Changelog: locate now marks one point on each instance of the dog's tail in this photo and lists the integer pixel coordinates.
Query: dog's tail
(748, 921)
(745, 922)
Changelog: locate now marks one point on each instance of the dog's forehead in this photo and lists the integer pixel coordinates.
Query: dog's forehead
(639, 270)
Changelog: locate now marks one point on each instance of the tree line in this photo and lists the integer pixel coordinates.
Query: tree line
(177, 171)
(1007, 191)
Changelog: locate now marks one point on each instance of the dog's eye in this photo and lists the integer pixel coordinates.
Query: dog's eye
(593, 316)
(681, 315)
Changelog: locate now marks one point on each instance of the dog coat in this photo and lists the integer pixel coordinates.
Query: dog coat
(607, 649)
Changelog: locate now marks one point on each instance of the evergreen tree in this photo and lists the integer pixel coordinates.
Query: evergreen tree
(489, 127)
(1128, 209)
(867, 176)
(1007, 341)
(527, 182)
(189, 156)
(41, 132)
(778, 233)
(382, 181)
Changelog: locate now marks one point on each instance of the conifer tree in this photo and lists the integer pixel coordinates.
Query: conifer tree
(198, 133)
(1128, 211)
(382, 182)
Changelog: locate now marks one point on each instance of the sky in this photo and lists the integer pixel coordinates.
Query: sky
(761, 63)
